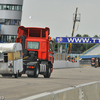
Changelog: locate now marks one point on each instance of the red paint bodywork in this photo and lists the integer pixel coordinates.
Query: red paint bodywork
(40, 35)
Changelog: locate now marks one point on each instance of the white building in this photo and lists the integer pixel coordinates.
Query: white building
(10, 18)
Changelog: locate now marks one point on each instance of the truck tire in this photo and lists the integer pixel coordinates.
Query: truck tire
(48, 73)
(36, 72)
(29, 75)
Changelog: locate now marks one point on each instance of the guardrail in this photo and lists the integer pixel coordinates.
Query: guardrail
(85, 62)
(89, 91)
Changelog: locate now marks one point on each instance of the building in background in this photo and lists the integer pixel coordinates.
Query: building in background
(10, 19)
(86, 56)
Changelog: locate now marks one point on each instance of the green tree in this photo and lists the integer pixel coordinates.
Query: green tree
(96, 36)
(86, 35)
(78, 35)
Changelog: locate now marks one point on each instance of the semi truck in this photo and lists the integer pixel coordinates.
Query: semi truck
(37, 48)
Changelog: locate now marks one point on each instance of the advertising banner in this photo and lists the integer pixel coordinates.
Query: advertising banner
(77, 40)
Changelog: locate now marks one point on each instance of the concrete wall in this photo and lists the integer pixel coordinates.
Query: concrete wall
(90, 91)
(65, 64)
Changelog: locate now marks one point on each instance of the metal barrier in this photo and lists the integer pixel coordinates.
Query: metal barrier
(64, 57)
(85, 62)
(89, 91)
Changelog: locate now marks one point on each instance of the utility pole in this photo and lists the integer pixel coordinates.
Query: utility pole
(75, 19)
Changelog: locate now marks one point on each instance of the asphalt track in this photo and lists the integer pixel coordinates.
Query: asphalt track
(15, 89)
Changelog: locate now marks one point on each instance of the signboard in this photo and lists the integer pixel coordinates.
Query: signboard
(77, 40)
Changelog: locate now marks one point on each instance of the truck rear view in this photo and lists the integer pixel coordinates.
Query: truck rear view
(37, 51)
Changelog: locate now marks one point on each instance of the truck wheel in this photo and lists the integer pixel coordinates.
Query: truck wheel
(48, 73)
(36, 72)
(29, 75)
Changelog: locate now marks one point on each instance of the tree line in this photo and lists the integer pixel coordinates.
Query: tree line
(77, 48)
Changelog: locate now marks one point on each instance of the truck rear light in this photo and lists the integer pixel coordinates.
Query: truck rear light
(30, 66)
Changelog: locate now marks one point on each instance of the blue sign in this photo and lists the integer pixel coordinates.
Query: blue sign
(77, 40)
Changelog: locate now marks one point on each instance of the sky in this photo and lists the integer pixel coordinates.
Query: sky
(58, 16)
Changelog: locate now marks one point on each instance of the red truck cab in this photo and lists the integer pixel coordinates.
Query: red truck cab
(37, 41)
